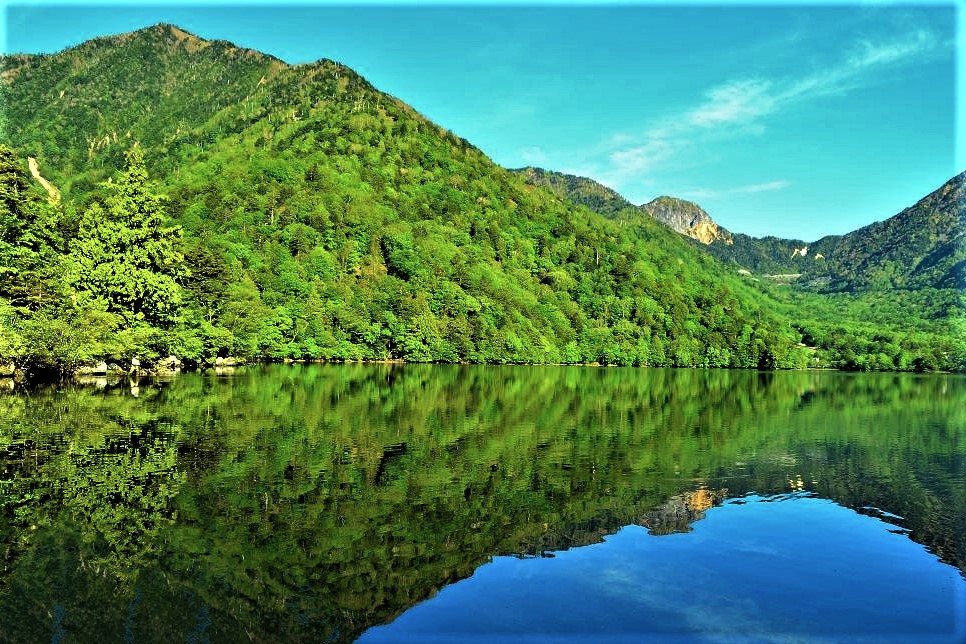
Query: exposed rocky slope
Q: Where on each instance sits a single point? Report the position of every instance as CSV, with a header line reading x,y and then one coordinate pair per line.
x,y
687,218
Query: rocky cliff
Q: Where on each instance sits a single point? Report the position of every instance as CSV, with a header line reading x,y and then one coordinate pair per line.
x,y
687,218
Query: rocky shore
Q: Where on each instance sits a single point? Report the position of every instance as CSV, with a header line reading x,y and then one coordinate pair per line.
x,y
12,373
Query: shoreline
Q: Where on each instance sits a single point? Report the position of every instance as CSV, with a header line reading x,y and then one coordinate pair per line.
x,y
98,374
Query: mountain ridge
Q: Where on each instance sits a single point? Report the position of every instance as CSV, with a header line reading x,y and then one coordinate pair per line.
x,y
327,220
832,262
323,219
685,217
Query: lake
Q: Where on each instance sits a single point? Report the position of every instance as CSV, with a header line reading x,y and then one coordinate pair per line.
x,y
445,503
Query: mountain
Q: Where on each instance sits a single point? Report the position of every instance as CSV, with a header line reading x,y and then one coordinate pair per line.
x,y
767,255
77,117
314,217
687,218
296,212
921,247
924,246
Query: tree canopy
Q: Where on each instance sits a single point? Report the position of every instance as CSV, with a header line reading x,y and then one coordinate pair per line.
x,y
126,255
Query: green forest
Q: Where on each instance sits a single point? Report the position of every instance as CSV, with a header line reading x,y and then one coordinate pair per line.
x,y
216,202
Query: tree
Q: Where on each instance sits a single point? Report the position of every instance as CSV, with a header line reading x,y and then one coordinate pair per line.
x,y
27,236
14,217
126,255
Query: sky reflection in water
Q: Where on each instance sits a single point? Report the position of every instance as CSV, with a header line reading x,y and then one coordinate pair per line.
x,y
786,568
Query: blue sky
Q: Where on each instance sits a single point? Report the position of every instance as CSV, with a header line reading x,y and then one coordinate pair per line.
x,y
797,121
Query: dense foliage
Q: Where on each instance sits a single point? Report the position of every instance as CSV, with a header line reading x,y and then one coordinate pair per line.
x,y
580,190
309,216
368,289
888,296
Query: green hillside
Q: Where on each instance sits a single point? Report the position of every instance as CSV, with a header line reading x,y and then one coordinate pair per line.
x,y
580,190
306,215
862,299
924,246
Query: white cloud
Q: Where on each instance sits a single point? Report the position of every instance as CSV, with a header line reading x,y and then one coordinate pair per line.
x,y
768,186
644,156
711,193
738,107
737,101
859,65
868,53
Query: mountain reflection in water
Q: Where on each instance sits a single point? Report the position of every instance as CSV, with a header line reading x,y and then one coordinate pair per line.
x,y
311,503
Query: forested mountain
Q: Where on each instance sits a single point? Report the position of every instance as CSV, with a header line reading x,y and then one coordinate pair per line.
x,y
580,190
216,201
312,216
922,246
682,216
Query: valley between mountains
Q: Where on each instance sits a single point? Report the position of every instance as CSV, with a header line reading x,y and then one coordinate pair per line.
x,y
216,202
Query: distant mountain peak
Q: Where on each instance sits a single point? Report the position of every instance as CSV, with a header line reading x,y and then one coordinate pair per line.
x,y
687,218
166,28
171,37
581,190
179,35
684,217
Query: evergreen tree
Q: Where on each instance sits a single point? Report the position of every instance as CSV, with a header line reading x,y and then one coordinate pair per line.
x,y
126,255
27,233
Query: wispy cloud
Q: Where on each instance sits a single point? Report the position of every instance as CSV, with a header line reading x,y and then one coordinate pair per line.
x,y
711,193
768,186
644,156
740,100
860,64
740,106
867,53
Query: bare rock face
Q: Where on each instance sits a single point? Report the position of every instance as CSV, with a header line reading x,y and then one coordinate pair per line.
x,y
99,369
169,365
686,218
707,232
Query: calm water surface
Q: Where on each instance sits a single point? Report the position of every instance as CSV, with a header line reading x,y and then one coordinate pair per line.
x,y
430,503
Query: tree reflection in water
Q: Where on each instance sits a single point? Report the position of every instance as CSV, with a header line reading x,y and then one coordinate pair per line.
x,y
312,502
